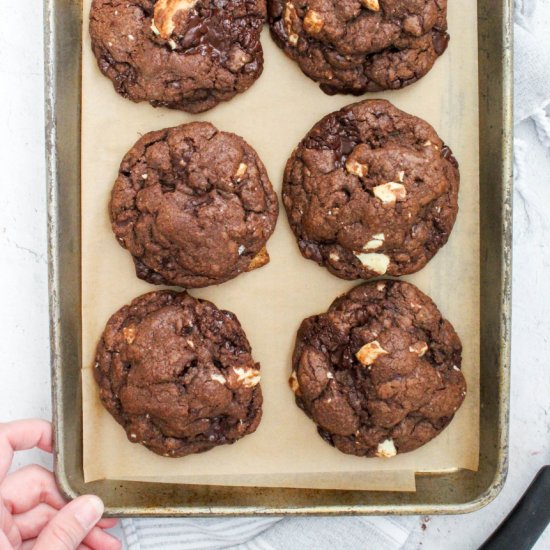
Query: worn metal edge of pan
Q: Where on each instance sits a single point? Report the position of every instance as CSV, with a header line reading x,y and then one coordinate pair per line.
x,y
451,493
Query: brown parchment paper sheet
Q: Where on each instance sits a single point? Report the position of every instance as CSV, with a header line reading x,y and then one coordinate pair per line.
x,y
273,116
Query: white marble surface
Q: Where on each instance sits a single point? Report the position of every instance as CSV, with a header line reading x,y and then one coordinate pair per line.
x,y
24,339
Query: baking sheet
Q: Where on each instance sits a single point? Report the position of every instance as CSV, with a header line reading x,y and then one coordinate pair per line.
x,y
271,302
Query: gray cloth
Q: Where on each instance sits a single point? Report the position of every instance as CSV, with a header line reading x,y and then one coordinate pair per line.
x,y
267,533
532,105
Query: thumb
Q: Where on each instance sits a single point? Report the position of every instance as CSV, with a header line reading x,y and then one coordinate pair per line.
x,y
71,524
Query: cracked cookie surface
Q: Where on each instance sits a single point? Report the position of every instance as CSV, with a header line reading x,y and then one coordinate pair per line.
x,y
194,206
370,191
379,373
354,46
177,373
182,54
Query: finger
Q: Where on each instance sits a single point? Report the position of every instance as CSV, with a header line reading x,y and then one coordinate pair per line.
x,y
100,540
8,528
22,435
71,524
28,487
13,536
108,523
4,542
32,522
30,544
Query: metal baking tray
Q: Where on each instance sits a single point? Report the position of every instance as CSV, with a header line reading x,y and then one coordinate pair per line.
x,y
449,493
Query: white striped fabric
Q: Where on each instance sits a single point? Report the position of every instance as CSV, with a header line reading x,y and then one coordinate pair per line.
x,y
192,534
349,533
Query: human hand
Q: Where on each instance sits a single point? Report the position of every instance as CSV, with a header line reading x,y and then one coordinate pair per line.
x,y
33,513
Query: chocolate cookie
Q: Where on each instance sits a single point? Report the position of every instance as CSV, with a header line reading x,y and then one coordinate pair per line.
x,y
177,373
182,54
361,45
379,373
371,190
194,206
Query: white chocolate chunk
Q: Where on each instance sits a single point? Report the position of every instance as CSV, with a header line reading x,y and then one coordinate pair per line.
x,y
380,287
420,348
378,263
334,257
129,334
373,244
370,352
390,192
293,382
261,259
248,377
218,378
154,28
373,5
386,449
313,22
401,176
356,168
430,144
241,171
289,16
241,249
376,242
164,16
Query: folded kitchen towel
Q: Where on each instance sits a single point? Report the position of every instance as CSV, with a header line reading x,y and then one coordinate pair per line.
x,y
266,533
532,103
192,534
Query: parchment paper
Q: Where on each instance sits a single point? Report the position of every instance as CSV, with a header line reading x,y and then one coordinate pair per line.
x,y
273,116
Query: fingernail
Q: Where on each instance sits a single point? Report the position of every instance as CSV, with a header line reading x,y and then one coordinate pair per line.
x,y
89,511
